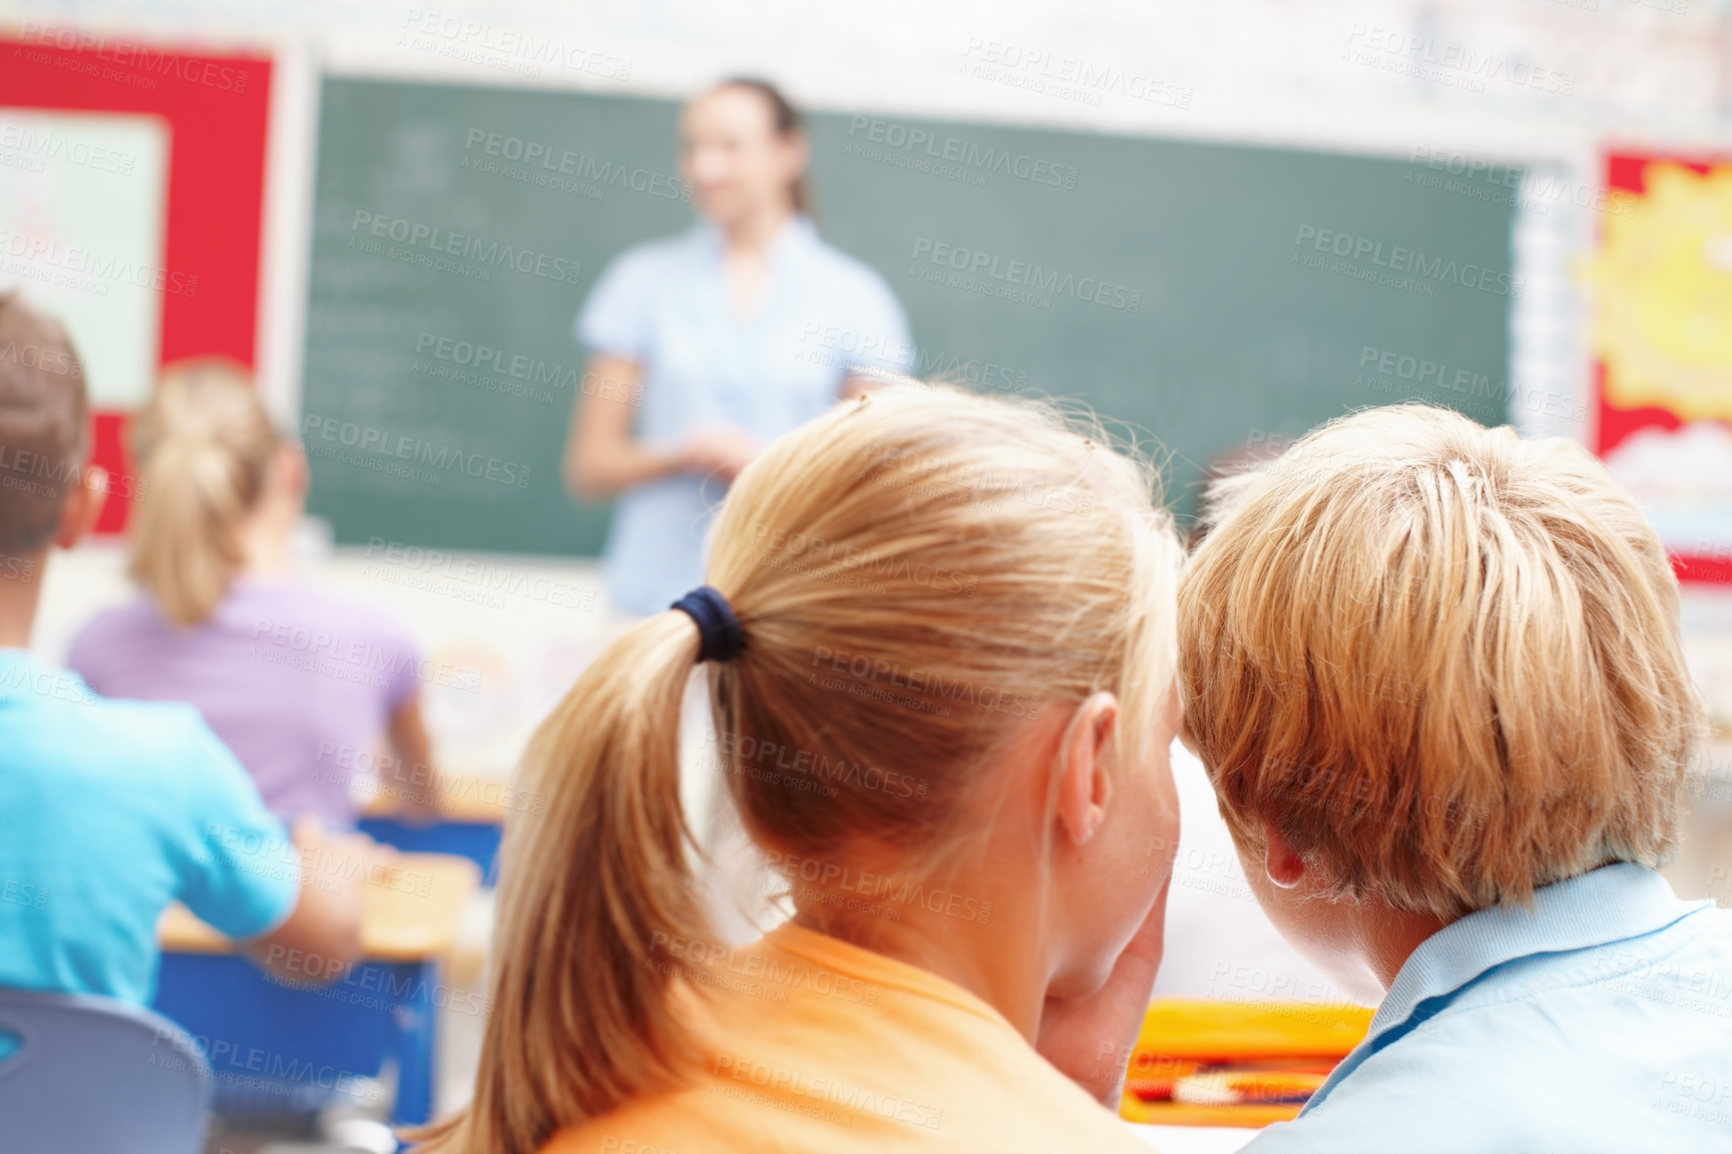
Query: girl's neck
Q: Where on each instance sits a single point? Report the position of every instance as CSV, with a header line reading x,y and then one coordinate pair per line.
x,y
961,932
265,544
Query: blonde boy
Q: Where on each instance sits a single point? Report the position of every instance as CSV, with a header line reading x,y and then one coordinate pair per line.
x,y
1434,672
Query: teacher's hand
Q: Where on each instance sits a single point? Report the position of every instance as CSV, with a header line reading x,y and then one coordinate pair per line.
x,y
720,452
1089,1038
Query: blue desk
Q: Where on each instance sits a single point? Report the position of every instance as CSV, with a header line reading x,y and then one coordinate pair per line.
x,y
469,822
476,840
284,1046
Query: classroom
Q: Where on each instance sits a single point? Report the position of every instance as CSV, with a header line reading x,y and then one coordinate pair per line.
x,y
675,577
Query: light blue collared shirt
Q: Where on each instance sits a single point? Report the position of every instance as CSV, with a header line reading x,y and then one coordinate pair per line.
x,y
665,305
1600,1020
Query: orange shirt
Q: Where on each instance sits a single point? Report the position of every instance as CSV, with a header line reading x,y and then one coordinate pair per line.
x,y
817,1045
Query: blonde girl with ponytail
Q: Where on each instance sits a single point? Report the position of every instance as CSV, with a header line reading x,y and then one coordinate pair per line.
x,y
938,641
288,674
206,449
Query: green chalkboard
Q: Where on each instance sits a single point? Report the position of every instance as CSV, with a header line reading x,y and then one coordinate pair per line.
x,y
1204,294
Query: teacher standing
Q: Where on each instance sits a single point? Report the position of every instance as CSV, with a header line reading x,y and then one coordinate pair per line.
x,y
707,345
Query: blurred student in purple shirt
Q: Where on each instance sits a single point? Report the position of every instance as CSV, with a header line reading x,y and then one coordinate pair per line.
x,y
298,681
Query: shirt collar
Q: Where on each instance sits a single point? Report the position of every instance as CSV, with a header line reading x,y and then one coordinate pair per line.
x,y
798,234
1609,904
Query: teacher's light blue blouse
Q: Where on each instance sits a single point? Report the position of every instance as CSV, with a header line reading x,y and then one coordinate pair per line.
x,y
1598,1022
664,305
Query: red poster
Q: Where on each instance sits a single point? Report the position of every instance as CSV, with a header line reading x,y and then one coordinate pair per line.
x,y
131,193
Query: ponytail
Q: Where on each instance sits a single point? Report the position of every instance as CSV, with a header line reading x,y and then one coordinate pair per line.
x,y
593,875
202,446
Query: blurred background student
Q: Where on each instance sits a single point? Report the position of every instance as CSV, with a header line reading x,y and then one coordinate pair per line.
x,y
696,345
114,809
297,680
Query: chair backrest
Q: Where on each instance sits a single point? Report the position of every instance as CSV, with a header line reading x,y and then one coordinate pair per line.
x,y
92,1074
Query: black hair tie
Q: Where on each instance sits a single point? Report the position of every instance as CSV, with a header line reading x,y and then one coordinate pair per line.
x,y
719,634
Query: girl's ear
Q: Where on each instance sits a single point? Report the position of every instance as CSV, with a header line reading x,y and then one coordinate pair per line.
x,y
1085,787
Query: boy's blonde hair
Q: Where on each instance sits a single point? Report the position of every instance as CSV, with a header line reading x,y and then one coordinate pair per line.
x,y
203,446
1442,662
915,574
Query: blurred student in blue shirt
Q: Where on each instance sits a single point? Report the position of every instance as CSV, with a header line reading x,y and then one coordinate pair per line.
x,y
1434,671
706,346
114,809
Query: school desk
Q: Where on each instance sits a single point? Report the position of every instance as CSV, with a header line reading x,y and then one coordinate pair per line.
x,y
259,1030
468,820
